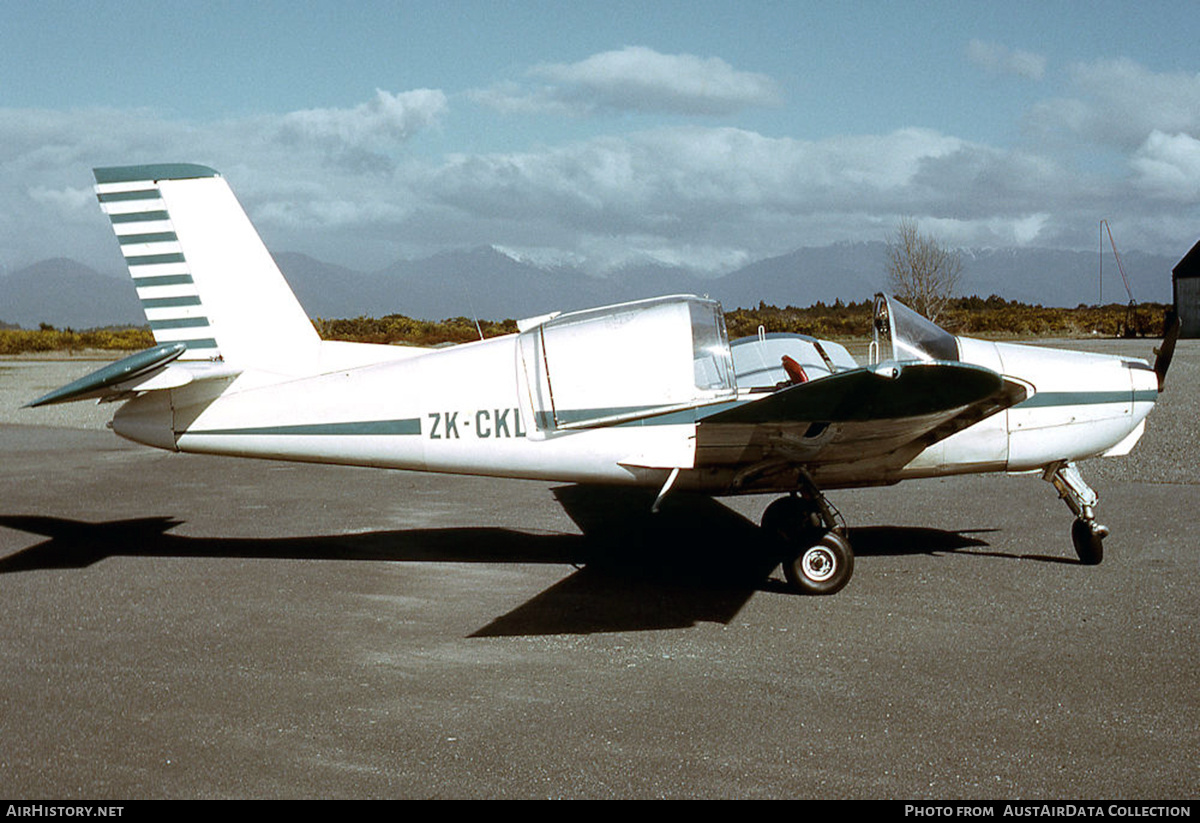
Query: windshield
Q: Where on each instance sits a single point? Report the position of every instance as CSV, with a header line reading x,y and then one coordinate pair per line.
x,y
902,334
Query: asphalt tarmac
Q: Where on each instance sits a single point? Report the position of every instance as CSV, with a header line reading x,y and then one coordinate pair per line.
x,y
180,626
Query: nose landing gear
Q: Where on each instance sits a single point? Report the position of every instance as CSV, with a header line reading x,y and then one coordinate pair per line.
x,y
1087,534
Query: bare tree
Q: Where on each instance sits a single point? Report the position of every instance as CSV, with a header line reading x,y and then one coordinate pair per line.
x,y
922,274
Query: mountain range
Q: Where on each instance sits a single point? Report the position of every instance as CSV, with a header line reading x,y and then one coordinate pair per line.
x,y
488,283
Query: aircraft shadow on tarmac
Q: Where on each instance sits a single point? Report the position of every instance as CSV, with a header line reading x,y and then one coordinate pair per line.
x,y
695,561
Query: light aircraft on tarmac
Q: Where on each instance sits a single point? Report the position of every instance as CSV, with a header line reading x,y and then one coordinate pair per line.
x,y
649,393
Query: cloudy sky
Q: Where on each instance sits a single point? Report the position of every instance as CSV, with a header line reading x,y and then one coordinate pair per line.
x,y
703,133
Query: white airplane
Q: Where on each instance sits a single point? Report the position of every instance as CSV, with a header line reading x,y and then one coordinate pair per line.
x,y
649,393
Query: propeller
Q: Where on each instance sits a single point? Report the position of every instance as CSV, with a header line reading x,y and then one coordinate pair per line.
x,y
1164,353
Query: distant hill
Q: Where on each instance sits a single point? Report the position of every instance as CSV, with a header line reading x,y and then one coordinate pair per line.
x,y
845,271
854,271
330,291
490,284
1065,278
67,294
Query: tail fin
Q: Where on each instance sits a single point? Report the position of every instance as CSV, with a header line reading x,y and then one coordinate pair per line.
x,y
201,271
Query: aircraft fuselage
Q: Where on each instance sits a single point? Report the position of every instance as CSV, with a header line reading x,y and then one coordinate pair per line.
x,y
466,409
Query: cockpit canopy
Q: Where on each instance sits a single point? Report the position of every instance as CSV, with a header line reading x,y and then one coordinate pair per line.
x,y
902,334
625,362
634,360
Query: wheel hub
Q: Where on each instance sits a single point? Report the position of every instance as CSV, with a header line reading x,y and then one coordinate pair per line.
x,y
818,563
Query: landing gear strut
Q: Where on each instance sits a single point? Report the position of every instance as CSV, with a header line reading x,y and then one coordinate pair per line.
x,y
817,558
1087,534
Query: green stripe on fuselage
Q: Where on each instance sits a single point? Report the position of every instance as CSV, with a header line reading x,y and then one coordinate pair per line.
x,y
1043,400
407,426
695,414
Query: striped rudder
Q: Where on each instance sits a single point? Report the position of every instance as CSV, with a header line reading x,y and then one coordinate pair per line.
x,y
201,272
155,259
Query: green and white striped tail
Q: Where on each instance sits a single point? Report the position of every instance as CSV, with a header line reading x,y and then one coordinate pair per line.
x,y
201,271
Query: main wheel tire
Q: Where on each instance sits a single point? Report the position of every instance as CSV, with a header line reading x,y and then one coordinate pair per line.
x,y
821,568
1089,543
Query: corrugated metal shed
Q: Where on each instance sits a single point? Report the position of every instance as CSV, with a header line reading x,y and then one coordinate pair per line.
x,y
1185,281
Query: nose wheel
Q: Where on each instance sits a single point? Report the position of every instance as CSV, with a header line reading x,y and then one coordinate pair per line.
x,y
1088,538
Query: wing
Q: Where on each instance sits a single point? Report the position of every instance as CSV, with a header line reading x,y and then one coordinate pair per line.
x,y
890,411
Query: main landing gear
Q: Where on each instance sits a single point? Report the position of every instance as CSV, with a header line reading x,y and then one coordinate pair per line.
x,y
1087,535
817,558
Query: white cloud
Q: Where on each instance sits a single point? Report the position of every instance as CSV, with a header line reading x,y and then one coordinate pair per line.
x,y
987,232
295,173
1025,230
1120,102
712,197
999,59
1168,166
327,212
334,183
692,169
640,79
375,127
510,97
65,200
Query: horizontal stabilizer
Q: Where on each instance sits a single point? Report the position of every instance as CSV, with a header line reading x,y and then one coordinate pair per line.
x,y
148,370
102,380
